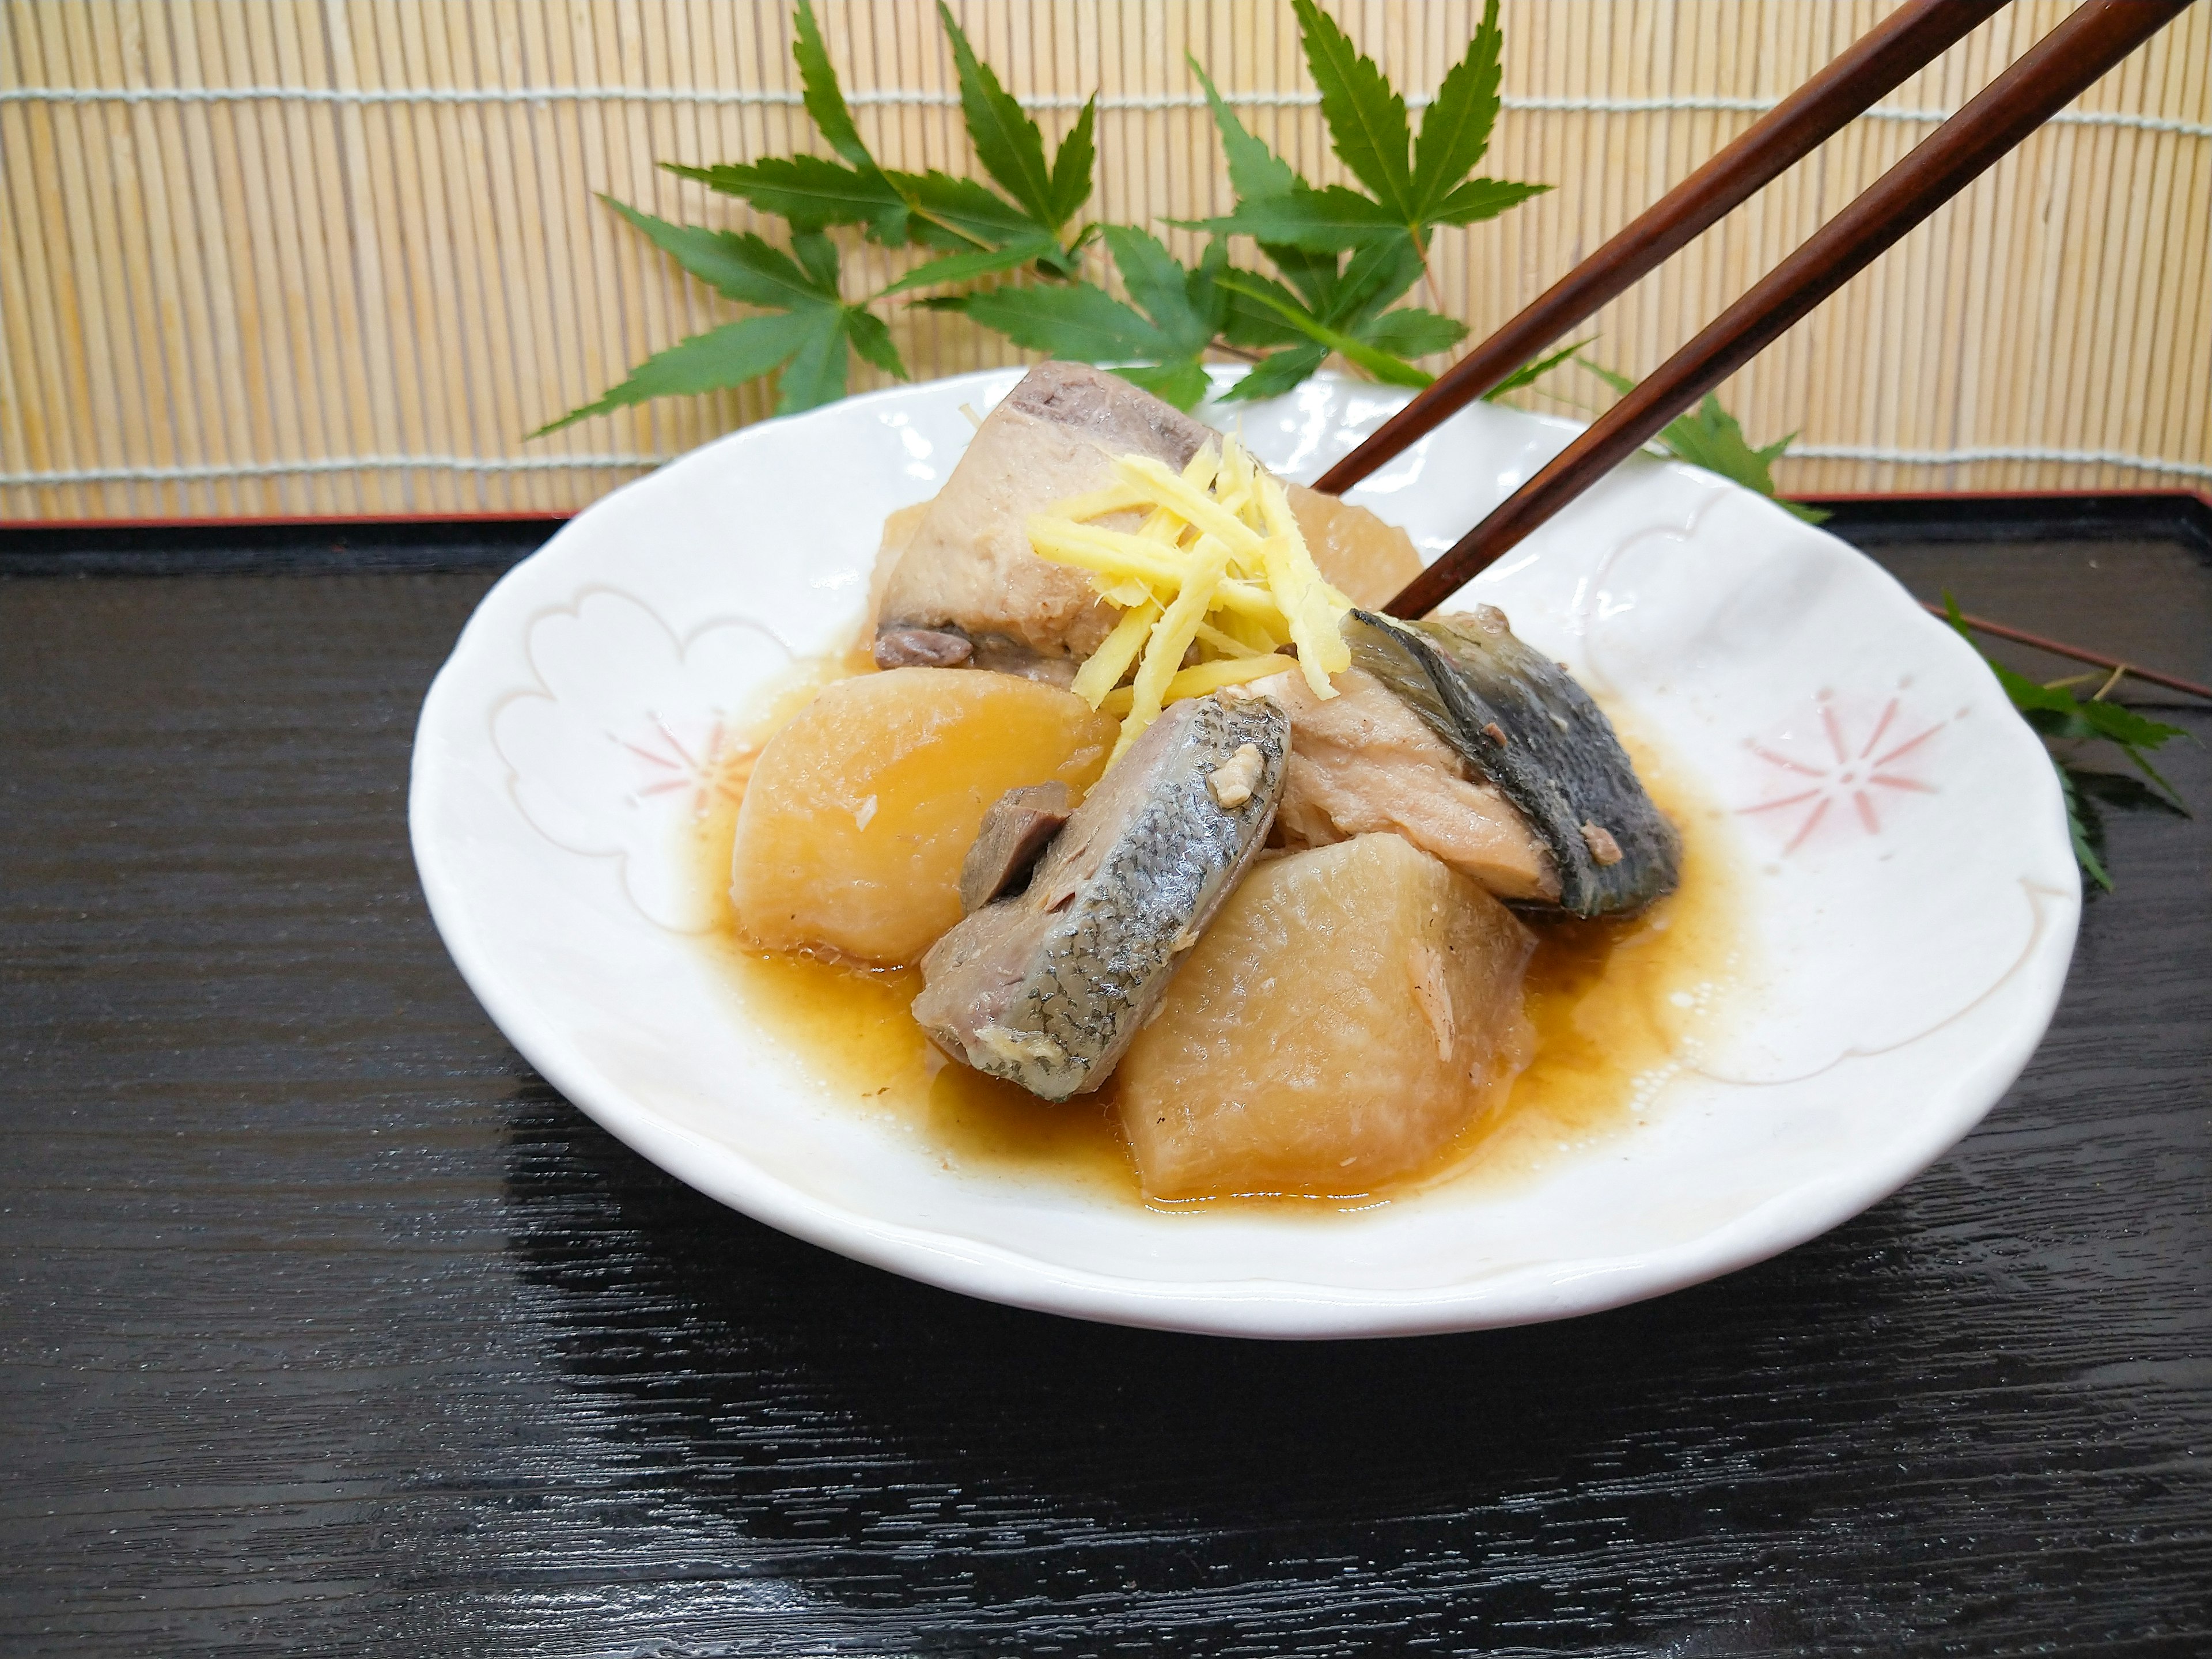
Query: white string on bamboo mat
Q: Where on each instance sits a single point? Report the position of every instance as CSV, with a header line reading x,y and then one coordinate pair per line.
x,y
904,97
332,464
561,463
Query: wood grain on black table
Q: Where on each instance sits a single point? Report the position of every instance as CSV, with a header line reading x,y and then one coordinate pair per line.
x,y
326,1326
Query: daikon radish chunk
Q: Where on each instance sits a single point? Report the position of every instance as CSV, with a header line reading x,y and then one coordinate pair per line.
x,y
860,811
1347,1012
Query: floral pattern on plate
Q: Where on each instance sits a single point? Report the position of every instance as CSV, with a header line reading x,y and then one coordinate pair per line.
x,y
628,733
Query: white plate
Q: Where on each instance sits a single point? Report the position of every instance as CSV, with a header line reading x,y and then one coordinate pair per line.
x,y
1909,891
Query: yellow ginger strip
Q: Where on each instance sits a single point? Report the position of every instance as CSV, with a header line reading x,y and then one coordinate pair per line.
x,y
1119,556
1170,492
1115,498
1106,666
1316,625
1240,534
1233,486
1126,593
1115,553
1162,526
1172,637
1103,669
1228,645
1203,470
1197,681
1257,637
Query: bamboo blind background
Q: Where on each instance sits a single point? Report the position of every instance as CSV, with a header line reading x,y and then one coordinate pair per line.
x,y
292,257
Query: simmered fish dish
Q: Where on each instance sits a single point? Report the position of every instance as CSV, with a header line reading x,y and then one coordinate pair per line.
x,y
1169,816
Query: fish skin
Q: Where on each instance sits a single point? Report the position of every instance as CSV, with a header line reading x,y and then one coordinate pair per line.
x,y
1520,721
1049,988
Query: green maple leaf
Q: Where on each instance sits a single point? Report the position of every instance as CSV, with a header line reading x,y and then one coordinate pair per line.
x,y
2056,713
2084,828
1366,117
1711,438
981,262
1010,145
812,192
1410,331
1341,311
1455,130
1256,172
824,97
1532,370
980,232
1409,197
1343,255
1006,140
1326,221
804,333
1252,321
1383,364
1157,341
1277,372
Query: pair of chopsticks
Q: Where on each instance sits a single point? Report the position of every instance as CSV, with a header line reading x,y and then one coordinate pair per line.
x,y
2047,77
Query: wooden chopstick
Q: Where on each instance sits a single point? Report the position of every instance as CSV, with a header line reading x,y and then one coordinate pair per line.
x,y
2048,77
1906,40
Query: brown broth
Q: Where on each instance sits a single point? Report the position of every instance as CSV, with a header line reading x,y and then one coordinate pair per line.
x,y
1616,1005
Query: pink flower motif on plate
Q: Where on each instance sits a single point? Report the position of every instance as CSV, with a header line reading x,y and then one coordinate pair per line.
x,y
1846,761
698,771
628,734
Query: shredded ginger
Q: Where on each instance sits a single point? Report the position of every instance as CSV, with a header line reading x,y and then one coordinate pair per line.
x,y
1216,572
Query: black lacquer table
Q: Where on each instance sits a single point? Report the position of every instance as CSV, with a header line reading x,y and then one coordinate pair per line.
x,y
327,1326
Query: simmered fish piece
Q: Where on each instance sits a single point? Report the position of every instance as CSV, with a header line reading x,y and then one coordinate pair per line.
x,y
956,580
968,564
1363,762
1049,988
1520,721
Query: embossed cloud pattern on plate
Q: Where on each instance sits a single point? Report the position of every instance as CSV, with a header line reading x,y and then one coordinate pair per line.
x,y
627,733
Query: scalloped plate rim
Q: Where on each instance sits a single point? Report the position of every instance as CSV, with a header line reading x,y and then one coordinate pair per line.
x,y
1249,1307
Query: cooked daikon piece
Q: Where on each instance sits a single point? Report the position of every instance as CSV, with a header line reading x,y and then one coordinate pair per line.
x,y
1349,1012
860,811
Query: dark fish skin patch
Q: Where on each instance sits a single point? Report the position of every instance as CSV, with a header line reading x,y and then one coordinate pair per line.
x,y
1017,829
1520,720
922,648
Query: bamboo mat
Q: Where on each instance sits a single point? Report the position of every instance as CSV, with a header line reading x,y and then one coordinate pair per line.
x,y
310,257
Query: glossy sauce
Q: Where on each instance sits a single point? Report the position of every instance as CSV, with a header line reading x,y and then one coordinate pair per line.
x,y
1618,1008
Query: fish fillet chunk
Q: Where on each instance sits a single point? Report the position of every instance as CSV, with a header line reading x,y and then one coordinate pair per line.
x,y
1363,762
1049,988
969,565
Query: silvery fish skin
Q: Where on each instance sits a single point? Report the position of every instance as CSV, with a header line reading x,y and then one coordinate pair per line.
x,y
1520,721
1049,988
